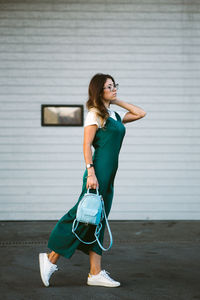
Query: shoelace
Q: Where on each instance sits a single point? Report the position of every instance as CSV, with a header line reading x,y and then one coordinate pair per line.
x,y
105,274
52,269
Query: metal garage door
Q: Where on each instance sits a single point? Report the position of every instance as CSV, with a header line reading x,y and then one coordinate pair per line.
x,y
49,50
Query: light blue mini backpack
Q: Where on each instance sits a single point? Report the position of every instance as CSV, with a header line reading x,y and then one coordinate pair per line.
x,y
91,210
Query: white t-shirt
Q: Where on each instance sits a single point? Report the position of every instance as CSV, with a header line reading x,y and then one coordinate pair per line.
x,y
91,117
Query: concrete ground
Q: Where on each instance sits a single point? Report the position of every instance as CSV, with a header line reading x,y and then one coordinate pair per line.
x,y
156,260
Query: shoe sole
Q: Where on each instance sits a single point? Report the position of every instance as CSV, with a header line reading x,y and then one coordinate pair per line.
x,y
102,284
41,263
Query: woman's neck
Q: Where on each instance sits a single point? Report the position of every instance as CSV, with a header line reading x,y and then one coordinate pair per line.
x,y
107,104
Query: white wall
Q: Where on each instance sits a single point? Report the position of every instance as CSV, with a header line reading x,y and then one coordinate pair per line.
x,y
49,50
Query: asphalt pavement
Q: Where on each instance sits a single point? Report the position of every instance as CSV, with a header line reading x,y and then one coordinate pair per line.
x,y
153,260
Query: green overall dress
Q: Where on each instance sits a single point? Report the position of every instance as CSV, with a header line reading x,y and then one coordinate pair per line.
x,y
107,144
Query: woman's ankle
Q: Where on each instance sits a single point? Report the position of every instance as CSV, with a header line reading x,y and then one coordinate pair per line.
x,y
53,257
95,271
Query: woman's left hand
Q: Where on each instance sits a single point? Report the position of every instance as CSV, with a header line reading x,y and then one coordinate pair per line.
x,y
134,112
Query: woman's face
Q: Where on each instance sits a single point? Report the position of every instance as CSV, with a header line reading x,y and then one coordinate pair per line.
x,y
109,91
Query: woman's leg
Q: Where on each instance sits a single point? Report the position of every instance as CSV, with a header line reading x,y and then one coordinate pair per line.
x,y
102,279
53,257
95,263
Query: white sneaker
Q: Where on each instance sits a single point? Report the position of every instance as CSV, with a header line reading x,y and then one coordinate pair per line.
x,y
102,279
46,268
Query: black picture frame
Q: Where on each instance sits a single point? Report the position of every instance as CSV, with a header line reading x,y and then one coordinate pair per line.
x,y
56,115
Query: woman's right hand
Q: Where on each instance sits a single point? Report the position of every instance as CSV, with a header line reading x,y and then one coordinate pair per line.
x,y
92,182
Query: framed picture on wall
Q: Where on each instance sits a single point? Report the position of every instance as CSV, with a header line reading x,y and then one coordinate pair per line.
x,y
61,115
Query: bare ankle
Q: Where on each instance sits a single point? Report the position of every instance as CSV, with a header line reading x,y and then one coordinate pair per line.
x,y
53,257
95,271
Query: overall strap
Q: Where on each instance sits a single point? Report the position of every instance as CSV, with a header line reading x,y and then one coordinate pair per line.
x,y
117,116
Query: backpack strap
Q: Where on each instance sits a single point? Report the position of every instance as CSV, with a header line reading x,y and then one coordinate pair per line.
x,y
97,232
109,231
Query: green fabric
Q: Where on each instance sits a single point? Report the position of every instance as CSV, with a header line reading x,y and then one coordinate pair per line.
x,y
107,144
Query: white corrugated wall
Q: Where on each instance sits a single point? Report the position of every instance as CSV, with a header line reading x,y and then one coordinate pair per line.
x,y
49,50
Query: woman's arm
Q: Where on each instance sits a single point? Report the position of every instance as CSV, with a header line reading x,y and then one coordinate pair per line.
x,y
89,133
134,113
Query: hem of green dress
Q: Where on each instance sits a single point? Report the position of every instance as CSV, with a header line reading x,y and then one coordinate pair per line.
x,y
69,255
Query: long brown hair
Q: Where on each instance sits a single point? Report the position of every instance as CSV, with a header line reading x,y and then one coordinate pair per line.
x,y
95,91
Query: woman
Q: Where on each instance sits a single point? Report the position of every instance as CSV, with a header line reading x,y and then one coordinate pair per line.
x,y
105,130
